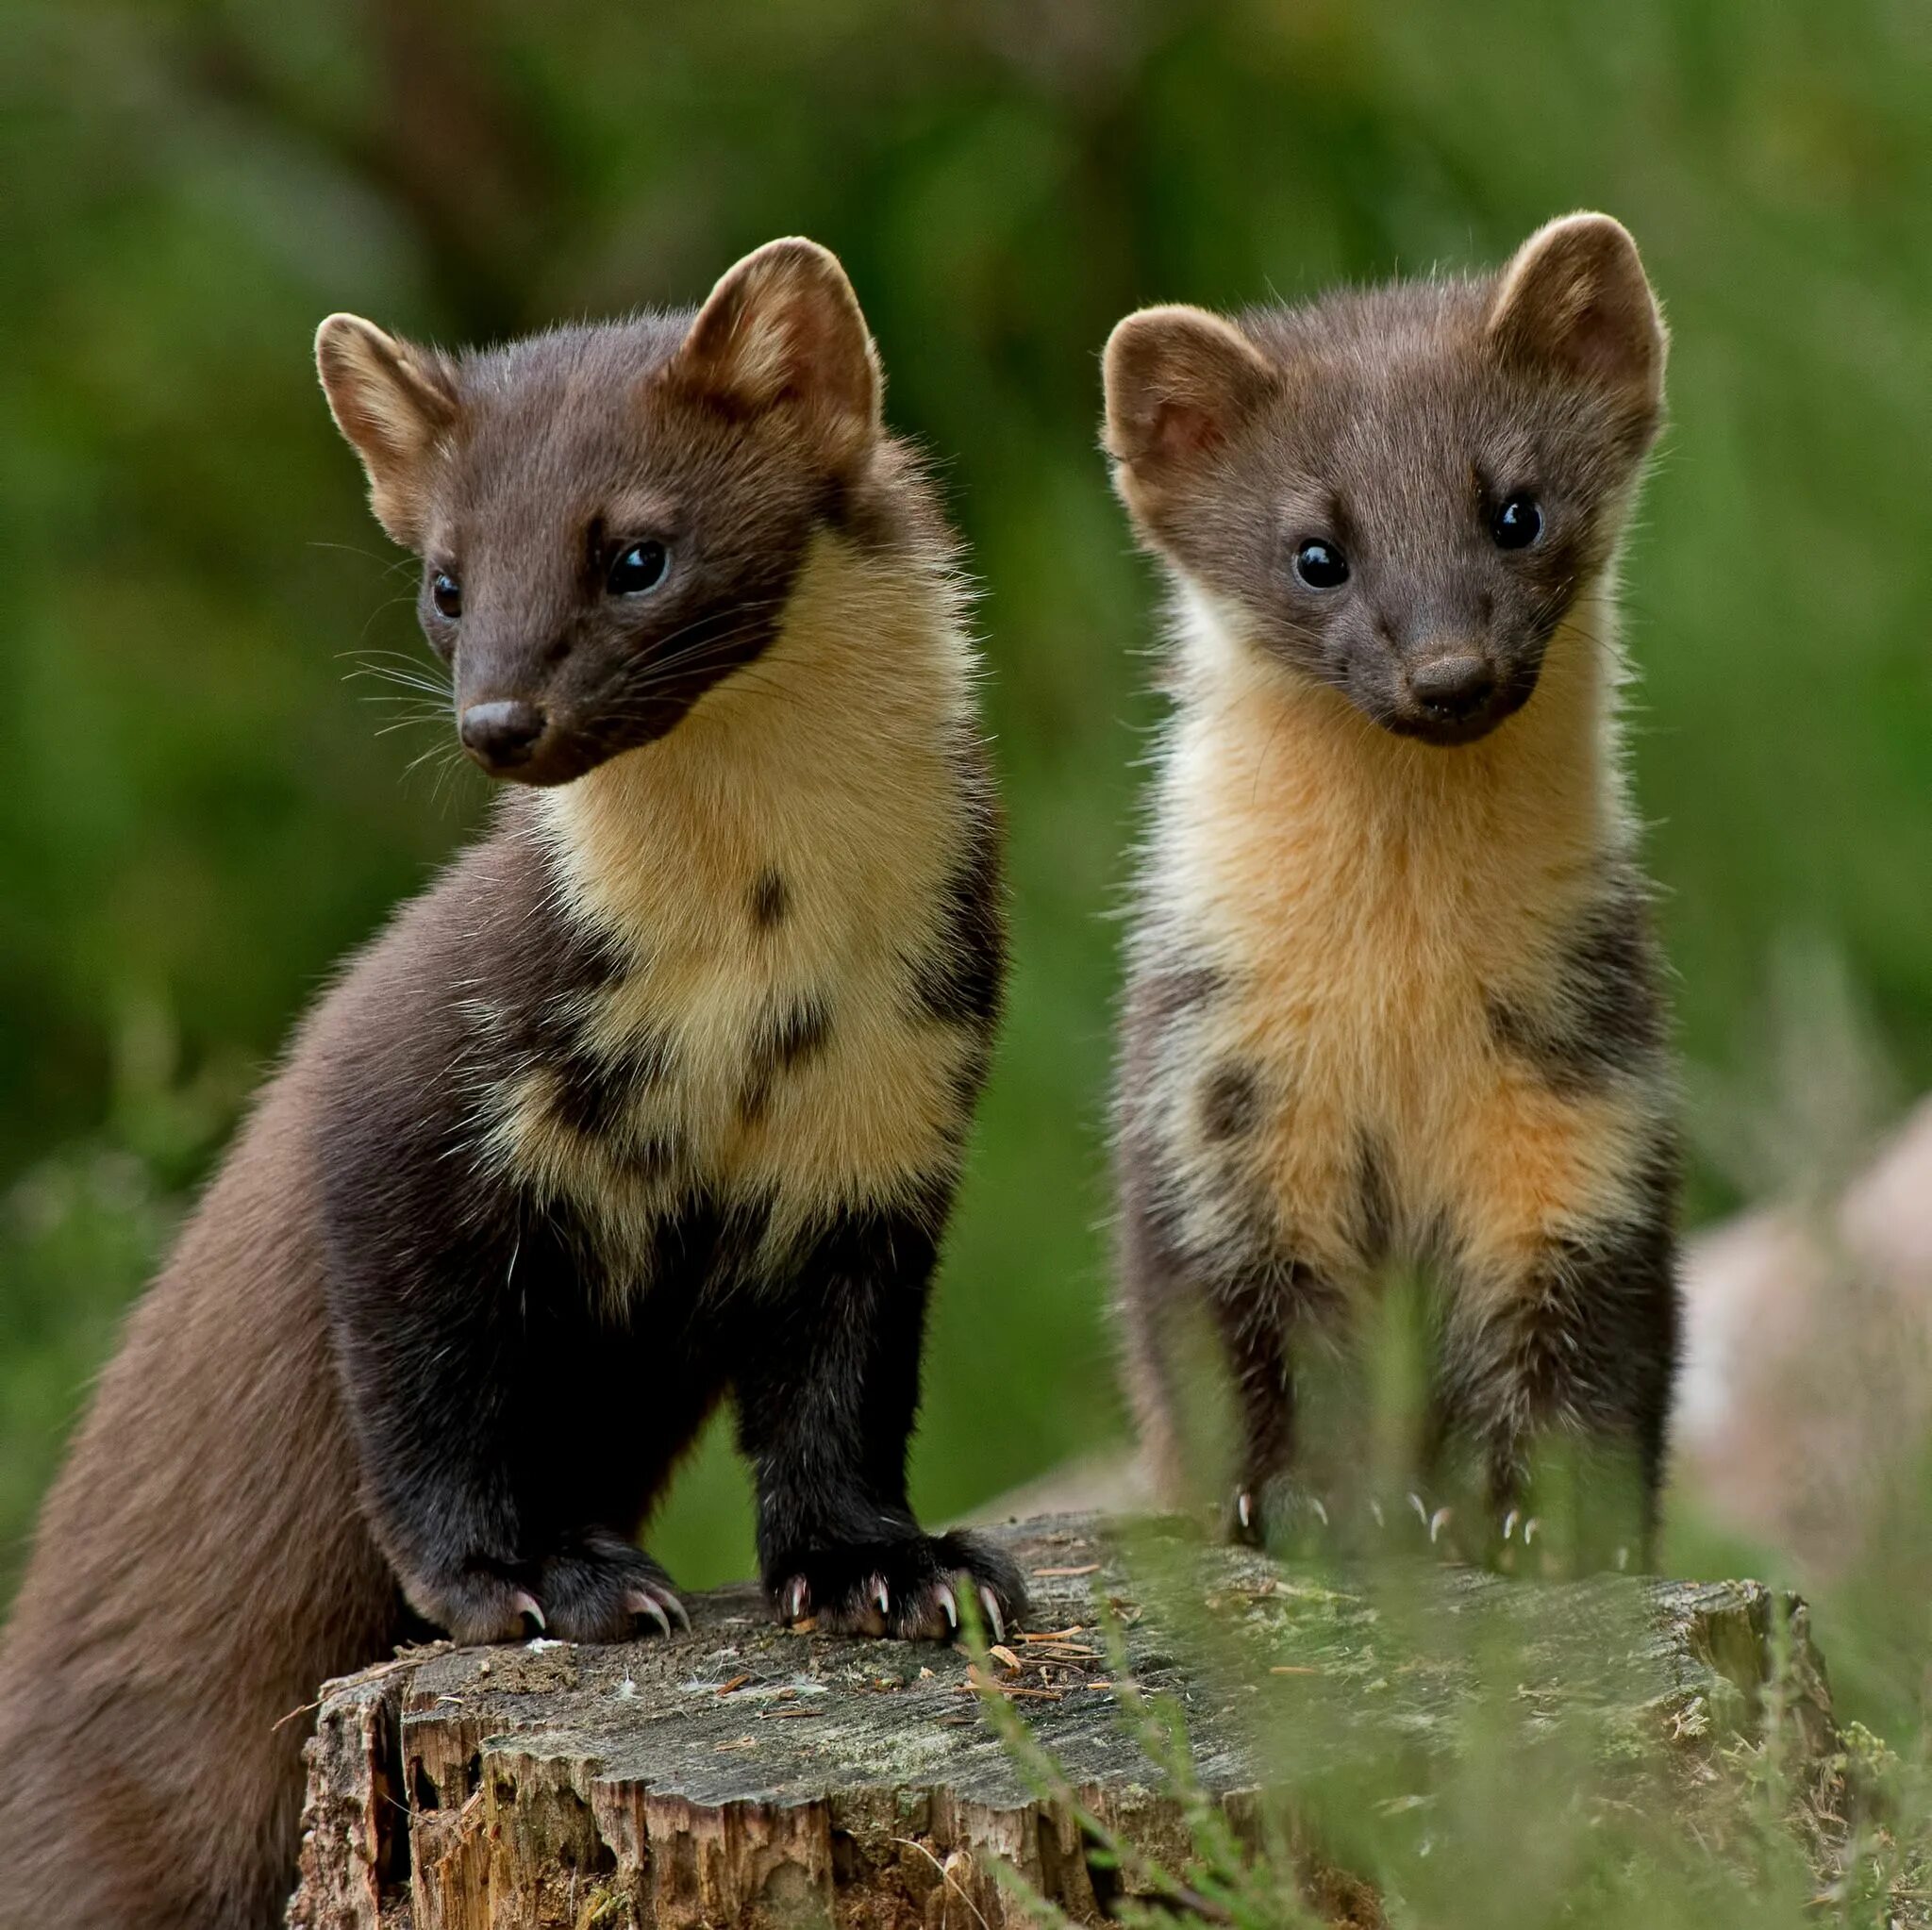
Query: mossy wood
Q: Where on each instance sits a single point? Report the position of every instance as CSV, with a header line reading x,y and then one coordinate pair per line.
x,y
744,1773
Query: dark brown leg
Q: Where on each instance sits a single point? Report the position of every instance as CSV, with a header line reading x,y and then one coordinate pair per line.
x,y
1567,1391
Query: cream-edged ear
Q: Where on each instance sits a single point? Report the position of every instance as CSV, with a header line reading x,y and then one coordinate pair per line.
x,y
392,401
1178,381
783,327
1574,297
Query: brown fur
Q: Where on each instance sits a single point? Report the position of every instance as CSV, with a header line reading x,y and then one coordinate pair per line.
x,y
201,1565
1389,998
656,1098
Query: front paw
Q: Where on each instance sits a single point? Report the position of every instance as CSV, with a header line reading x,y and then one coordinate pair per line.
x,y
910,1590
597,1588
601,1589
1279,1514
476,1603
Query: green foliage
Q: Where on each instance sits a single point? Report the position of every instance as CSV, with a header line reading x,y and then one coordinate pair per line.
x,y
201,815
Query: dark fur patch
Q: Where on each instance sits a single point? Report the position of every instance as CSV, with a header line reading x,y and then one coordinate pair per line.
x,y
961,980
1605,1014
1155,998
789,1040
1375,1203
771,902
1230,1100
593,1092
1171,990
654,1155
799,1035
968,1082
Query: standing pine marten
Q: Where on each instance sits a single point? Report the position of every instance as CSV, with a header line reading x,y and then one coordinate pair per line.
x,y
661,1094
1393,989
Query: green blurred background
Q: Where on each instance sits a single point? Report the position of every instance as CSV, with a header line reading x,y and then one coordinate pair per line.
x,y
199,815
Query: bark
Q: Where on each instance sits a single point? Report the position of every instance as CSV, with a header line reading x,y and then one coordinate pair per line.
x,y
744,1773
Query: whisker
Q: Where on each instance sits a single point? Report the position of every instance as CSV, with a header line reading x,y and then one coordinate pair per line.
x,y
380,608
735,616
390,565
407,688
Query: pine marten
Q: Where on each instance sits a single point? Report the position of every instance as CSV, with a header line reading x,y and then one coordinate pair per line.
x,y
658,1094
1393,996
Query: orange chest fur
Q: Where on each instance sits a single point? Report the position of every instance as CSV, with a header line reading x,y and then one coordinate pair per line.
x,y
1362,901
1366,890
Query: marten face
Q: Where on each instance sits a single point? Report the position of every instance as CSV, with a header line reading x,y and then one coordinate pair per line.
x,y
610,518
1401,491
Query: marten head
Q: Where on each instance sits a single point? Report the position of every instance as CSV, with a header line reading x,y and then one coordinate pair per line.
x,y
610,518
1401,490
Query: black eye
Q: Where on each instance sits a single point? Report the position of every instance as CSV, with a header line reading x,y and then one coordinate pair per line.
x,y
640,568
446,594
1320,565
1517,524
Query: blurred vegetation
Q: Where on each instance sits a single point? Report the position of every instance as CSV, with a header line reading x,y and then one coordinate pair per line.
x,y
200,816
1464,1757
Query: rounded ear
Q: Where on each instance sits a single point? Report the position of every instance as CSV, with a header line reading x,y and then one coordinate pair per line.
x,y
392,401
1179,382
1576,298
784,327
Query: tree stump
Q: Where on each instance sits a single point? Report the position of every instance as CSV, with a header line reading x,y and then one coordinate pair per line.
x,y
744,1773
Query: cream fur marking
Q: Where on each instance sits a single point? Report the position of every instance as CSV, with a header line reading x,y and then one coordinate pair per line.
x,y
1364,895
835,762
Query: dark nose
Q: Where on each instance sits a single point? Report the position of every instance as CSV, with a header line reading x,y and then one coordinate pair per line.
x,y
501,734
1452,687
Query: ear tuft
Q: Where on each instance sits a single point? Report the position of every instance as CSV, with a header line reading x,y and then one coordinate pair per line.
x,y
784,327
1576,297
1178,381
392,401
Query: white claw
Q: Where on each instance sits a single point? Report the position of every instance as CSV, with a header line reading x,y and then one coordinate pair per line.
x,y
1376,1509
1530,1530
640,1603
992,1613
1244,1507
882,1599
1321,1512
1438,1522
526,1604
1421,1513
679,1613
1509,1522
794,1599
944,1594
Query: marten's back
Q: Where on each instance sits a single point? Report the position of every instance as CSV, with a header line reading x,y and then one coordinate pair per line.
x,y
201,1565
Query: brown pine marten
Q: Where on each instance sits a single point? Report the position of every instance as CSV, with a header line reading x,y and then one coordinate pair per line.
x,y
657,1096
1393,991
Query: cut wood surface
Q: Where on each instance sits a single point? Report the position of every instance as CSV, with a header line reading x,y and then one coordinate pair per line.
x,y
744,1773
